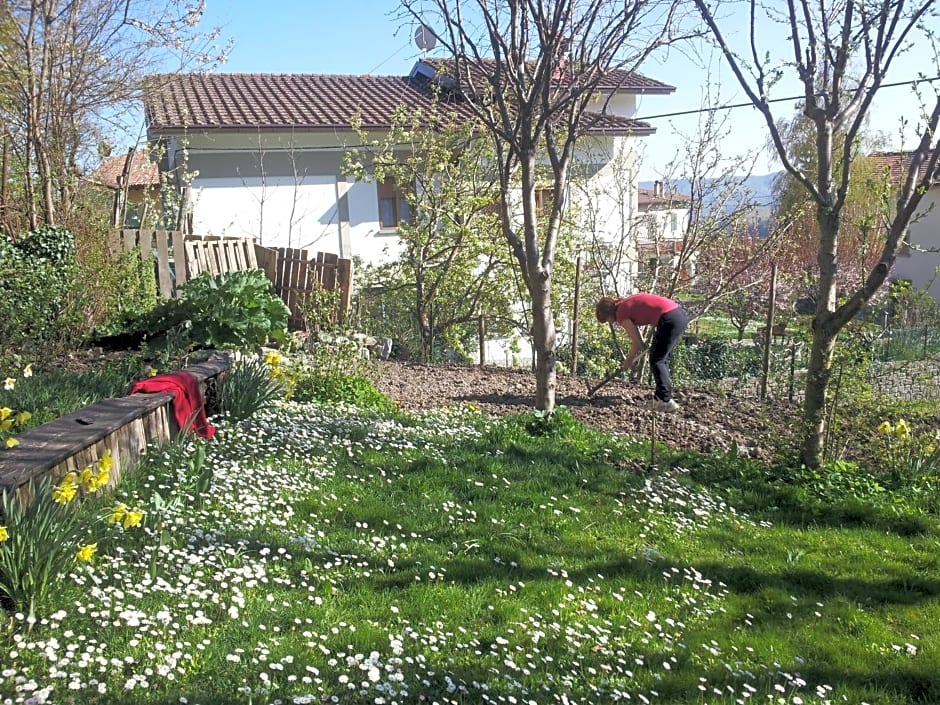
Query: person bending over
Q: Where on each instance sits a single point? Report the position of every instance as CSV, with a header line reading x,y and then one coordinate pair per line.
x,y
670,319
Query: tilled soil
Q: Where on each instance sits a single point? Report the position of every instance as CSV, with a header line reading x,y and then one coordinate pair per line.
x,y
707,422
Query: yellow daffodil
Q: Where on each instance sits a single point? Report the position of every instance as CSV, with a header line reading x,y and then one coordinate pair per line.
x,y
23,418
117,514
152,371
106,462
86,552
99,480
28,370
65,491
11,442
5,413
885,428
132,518
902,430
9,383
273,358
86,477
4,534
6,424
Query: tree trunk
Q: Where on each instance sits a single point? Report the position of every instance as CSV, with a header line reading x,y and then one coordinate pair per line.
x,y
818,375
824,337
424,323
543,337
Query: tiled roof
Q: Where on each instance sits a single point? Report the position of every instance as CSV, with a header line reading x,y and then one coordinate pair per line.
x,y
256,100
240,101
615,81
897,164
144,173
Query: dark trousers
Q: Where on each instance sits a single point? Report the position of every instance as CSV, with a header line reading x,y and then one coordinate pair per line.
x,y
669,330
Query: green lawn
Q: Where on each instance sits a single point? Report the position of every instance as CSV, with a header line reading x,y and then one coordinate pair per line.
x,y
341,556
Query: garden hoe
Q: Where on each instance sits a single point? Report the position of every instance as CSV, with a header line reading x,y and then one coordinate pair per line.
x,y
616,373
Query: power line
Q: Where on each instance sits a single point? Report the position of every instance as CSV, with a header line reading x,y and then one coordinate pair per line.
x,y
749,104
381,64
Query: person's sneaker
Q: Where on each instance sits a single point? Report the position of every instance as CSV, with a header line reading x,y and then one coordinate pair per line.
x,y
666,407
669,407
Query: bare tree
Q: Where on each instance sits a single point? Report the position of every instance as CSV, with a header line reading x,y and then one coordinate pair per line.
x,y
842,51
73,67
530,71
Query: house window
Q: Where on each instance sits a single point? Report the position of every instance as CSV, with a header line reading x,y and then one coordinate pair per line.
x,y
393,208
674,221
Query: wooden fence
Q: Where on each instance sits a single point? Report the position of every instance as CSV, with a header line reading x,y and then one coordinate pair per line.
x,y
296,276
178,258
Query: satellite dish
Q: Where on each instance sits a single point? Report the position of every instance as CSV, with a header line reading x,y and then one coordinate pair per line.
x,y
424,38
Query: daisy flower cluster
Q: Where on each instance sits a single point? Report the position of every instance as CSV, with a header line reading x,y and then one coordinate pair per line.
x,y
299,576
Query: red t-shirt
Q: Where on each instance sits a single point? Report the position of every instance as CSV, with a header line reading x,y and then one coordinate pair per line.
x,y
644,309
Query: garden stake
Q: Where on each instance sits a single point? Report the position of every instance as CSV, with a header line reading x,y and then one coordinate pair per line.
x,y
652,464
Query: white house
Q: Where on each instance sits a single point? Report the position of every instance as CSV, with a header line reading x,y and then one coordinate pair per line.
x,y
919,259
660,225
263,152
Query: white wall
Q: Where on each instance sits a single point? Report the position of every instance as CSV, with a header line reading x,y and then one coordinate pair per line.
x,y
920,267
293,212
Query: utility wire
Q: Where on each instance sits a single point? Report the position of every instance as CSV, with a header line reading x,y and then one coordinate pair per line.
x,y
749,104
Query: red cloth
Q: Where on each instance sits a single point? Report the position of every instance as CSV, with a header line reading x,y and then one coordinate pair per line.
x,y
644,309
187,403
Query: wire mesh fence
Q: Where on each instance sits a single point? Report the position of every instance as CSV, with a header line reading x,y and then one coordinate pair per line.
x,y
902,363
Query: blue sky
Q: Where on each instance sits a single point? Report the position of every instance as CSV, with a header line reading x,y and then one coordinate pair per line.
x,y
365,36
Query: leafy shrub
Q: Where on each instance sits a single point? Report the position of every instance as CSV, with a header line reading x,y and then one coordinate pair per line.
x,y
249,387
227,311
37,275
340,388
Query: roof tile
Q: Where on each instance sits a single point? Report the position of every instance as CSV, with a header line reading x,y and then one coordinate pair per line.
x,y
143,172
239,101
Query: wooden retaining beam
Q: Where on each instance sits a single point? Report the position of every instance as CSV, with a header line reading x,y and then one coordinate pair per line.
x,y
125,426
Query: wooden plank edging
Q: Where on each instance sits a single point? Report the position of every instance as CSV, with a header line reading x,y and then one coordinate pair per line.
x,y
125,426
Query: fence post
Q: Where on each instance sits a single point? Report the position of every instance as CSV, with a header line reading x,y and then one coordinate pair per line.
x,y
768,334
574,320
792,389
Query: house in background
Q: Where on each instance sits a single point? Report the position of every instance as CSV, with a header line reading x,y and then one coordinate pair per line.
x,y
262,154
134,180
660,227
918,260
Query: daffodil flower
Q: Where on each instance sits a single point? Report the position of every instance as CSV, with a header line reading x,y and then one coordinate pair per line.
x,y
100,480
11,442
117,514
902,430
5,413
9,383
6,424
86,552
65,491
885,428
4,534
28,370
272,358
23,418
132,518
106,462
